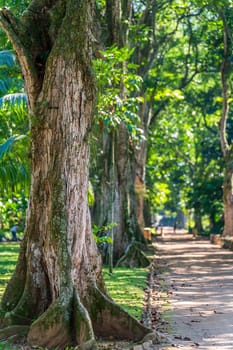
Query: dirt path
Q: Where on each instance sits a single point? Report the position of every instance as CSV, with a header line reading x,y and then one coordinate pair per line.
x,y
196,292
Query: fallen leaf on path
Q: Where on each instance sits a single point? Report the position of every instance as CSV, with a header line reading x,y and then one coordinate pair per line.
x,y
218,312
182,338
186,339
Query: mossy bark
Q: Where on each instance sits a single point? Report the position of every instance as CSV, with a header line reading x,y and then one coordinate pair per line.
x,y
227,148
59,266
116,199
228,194
134,257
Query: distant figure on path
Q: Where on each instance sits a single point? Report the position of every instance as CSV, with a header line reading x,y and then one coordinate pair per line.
x,y
174,227
14,230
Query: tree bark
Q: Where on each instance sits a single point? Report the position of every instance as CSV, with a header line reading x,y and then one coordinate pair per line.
x,y
225,146
57,288
198,220
116,199
228,195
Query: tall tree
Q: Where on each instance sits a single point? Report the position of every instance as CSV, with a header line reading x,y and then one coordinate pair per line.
x,y
57,288
116,200
225,15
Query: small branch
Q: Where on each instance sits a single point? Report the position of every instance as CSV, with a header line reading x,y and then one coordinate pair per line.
x,y
209,128
13,28
155,114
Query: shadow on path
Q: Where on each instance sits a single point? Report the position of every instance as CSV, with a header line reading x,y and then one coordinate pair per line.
x,y
197,278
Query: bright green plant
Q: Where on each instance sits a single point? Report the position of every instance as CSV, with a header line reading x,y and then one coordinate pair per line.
x,y
14,140
12,212
99,233
115,74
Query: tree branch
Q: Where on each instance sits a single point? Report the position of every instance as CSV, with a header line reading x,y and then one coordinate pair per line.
x,y
14,29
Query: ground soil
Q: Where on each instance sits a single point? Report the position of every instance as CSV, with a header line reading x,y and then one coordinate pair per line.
x,y
192,299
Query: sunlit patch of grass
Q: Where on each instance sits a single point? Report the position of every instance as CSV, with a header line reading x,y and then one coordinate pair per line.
x,y
8,258
126,287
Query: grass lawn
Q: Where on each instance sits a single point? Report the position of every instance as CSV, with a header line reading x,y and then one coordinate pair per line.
x,y
8,258
125,285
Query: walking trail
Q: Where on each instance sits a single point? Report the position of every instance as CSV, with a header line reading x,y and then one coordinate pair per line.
x,y
192,293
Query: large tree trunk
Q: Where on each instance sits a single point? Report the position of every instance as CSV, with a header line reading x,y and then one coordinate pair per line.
x,y
225,146
198,221
139,181
140,158
228,196
117,200
57,288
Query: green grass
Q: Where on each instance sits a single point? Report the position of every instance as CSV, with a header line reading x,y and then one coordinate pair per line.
x,y
8,257
125,285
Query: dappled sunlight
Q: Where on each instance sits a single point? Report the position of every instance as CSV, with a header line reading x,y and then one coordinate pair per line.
x,y
126,287
199,278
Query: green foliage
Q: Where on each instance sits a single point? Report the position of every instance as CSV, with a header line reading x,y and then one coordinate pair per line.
x,y
185,166
14,172
6,146
7,59
99,233
12,211
90,195
10,77
13,99
114,74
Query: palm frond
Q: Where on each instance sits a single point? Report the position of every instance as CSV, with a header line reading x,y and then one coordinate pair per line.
x,y
6,146
5,85
12,175
7,58
16,98
14,167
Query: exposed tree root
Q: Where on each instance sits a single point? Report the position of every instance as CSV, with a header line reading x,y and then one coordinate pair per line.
x,y
133,257
22,314
109,319
82,323
52,328
13,332
67,322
